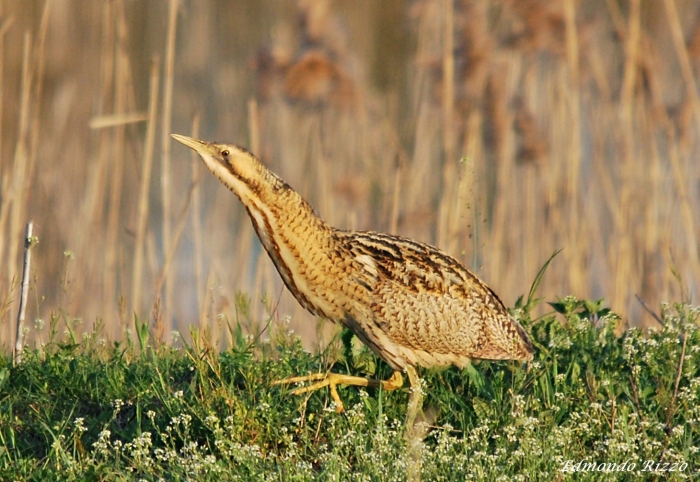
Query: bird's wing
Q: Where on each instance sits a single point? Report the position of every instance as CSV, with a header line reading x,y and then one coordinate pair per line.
x,y
433,307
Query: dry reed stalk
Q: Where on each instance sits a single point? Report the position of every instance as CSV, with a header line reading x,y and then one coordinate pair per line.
x,y
25,152
152,255
642,263
144,188
680,180
500,122
595,59
531,231
166,142
313,181
577,273
667,214
421,170
4,176
305,127
244,257
104,121
39,83
656,241
618,19
471,187
274,287
260,272
556,174
244,236
324,180
115,164
179,228
621,260
607,198
93,203
395,200
4,28
691,91
445,220
682,53
196,173
254,127
631,60
17,185
211,306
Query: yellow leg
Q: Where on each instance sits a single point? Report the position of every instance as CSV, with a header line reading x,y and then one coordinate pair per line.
x,y
332,380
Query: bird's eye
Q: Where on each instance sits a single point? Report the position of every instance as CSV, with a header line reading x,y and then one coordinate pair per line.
x,y
225,153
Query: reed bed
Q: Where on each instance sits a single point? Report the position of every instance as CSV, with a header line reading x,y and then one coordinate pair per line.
x,y
500,131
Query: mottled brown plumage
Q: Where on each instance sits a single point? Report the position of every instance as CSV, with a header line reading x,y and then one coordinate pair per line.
x,y
411,303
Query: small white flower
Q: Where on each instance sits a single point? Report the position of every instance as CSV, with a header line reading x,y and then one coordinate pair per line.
x,y
80,425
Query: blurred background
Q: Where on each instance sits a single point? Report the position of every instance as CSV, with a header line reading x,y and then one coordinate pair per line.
x,y
498,130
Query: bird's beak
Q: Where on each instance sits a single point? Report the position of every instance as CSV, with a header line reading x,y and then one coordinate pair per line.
x,y
209,152
200,147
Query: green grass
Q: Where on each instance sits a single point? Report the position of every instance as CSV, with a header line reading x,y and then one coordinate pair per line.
x,y
83,410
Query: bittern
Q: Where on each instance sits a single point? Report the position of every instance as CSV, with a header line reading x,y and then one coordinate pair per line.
x,y
411,303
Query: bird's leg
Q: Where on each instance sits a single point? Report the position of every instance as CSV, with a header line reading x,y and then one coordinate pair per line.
x,y
415,399
332,380
415,430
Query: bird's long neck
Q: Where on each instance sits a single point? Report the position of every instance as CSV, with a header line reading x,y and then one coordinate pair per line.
x,y
297,240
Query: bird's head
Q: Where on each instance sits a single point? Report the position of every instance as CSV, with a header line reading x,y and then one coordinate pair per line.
x,y
233,165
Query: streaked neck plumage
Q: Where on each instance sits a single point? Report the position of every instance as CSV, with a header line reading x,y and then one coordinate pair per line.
x,y
285,223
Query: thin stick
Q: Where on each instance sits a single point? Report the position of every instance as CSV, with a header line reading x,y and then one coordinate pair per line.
x,y
650,311
19,336
669,413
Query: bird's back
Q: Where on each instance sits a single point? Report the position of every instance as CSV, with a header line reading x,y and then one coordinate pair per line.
x,y
417,305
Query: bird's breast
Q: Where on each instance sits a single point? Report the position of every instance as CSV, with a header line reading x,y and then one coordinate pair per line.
x,y
303,257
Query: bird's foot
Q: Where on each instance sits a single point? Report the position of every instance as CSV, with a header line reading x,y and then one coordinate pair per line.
x,y
332,380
